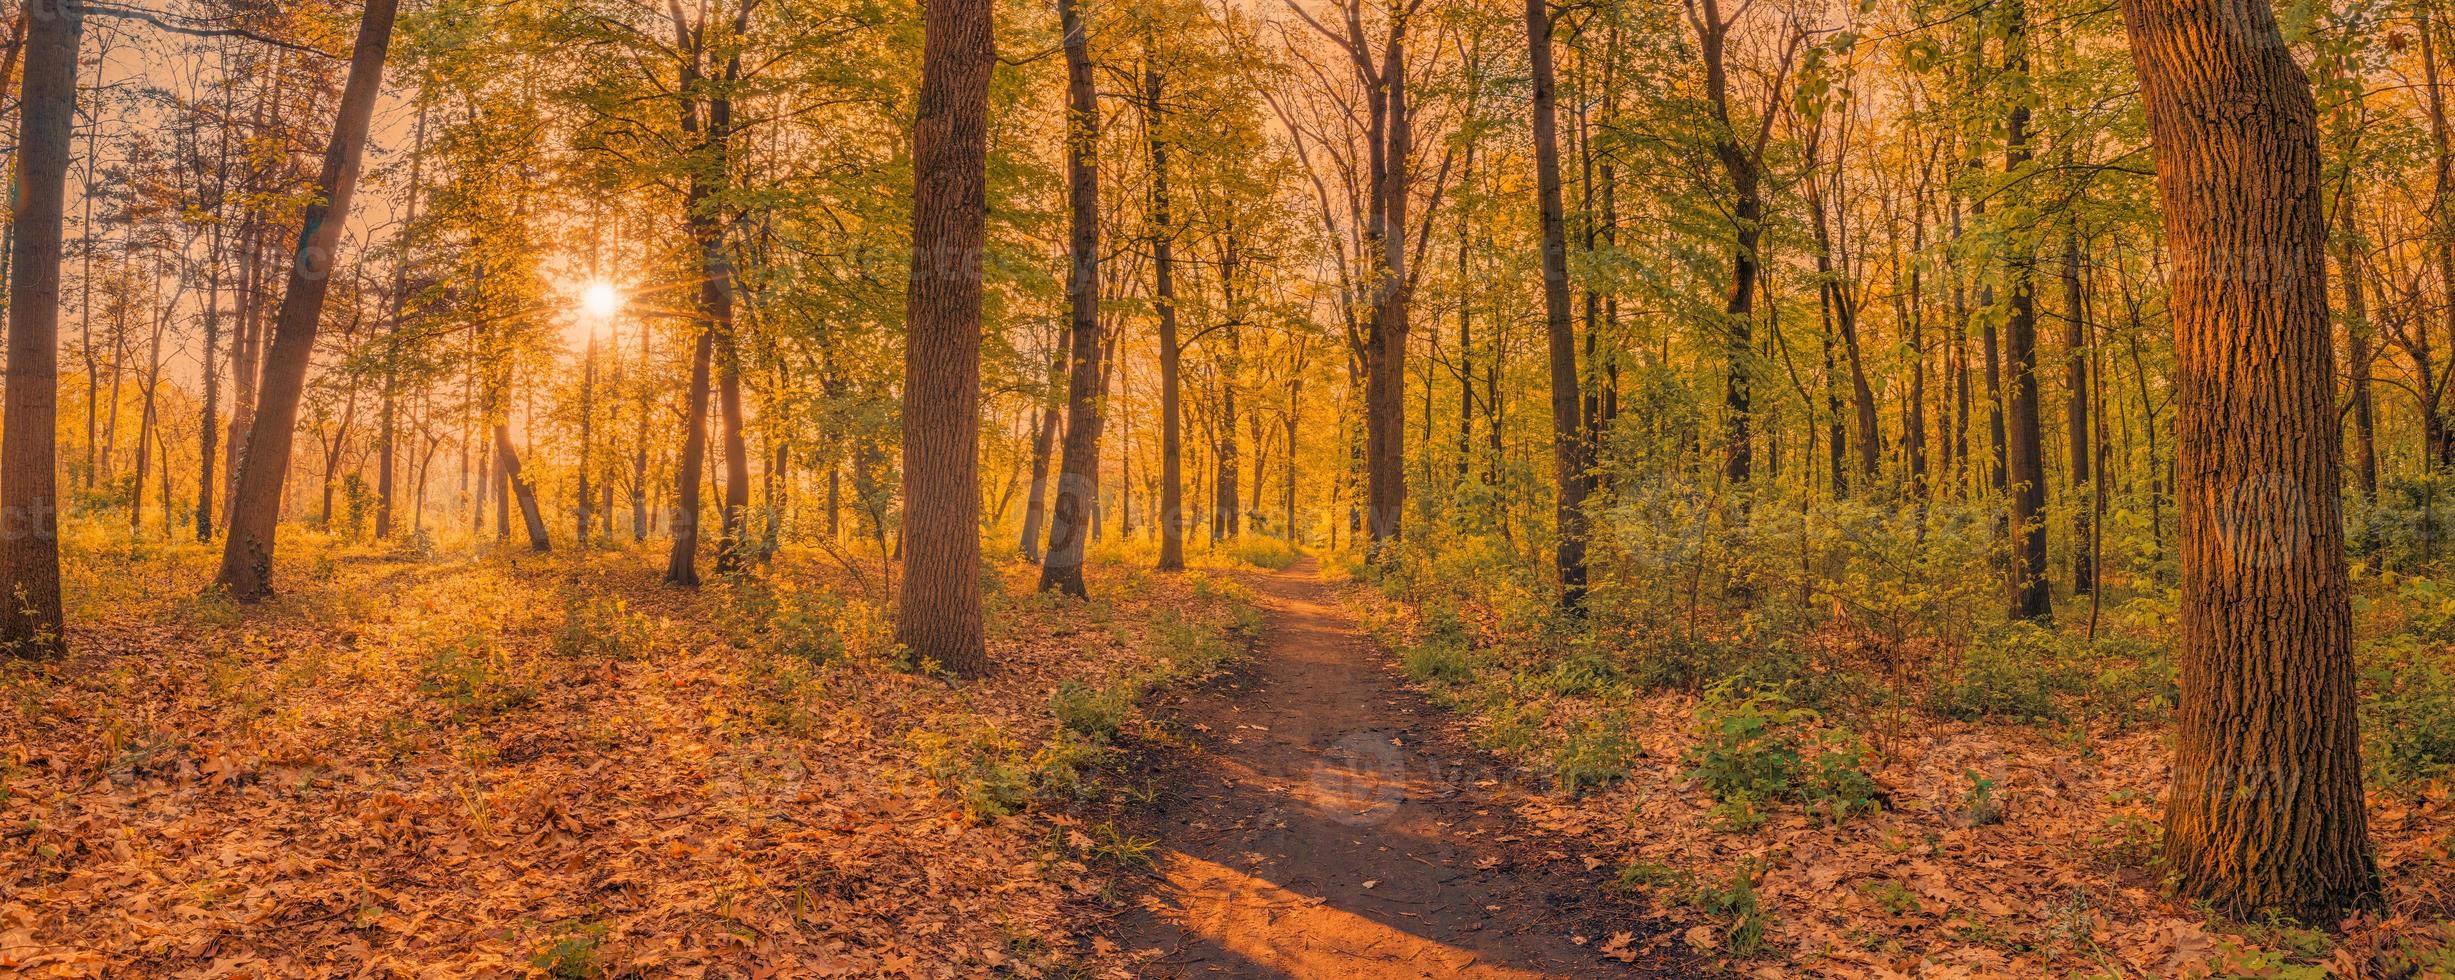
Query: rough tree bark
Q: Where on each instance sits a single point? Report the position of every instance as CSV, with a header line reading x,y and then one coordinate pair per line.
x,y
2265,811
939,619
30,619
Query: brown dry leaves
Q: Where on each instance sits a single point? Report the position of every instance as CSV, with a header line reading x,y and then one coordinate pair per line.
x,y
2064,883
394,772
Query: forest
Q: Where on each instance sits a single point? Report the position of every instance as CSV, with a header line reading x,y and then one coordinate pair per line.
x,y
1307,488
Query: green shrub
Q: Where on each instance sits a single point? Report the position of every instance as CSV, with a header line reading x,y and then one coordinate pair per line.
x,y
776,615
1438,662
475,676
1594,752
984,769
573,953
2010,674
602,627
1735,903
1261,551
1095,713
2408,722
1758,748
1582,674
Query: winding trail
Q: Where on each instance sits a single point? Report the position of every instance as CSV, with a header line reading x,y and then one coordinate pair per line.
x,y
1331,823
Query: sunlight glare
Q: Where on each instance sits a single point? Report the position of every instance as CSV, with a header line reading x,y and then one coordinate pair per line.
x,y
601,301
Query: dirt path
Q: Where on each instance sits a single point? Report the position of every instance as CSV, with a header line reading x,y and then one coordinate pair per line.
x,y
1332,824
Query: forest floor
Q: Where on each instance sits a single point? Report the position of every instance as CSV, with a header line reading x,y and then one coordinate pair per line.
x,y
484,764
1934,847
1326,820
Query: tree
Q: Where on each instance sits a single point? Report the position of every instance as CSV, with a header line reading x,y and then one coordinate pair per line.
x,y
2032,589
1568,437
1171,349
247,555
30,618
2266,808
939,619
1078,478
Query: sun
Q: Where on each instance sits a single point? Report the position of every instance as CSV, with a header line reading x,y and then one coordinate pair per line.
x,y
601,301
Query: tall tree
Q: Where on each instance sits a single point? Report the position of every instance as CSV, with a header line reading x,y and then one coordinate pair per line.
x,y
1078,477
1568,437
247,556
2025,445
940,618
30,619
1171,349
2265,812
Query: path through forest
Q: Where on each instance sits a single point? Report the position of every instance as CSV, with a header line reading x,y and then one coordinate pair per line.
x,y
1332,823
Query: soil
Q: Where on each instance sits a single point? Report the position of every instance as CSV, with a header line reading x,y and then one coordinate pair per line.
x,y
1329,821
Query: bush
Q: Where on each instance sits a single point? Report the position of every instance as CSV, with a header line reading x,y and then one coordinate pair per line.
x,y
475,676
1759,748
2409,723
602,627
1094,713
776,615
1261,551
1595,752
1735,902
2012,674
1438,662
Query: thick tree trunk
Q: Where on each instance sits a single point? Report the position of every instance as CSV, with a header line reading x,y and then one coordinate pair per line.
x,y
1074,516
940,617
247,557
30,621
2265,811
1569,447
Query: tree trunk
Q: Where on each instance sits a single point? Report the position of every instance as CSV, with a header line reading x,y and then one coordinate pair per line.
x,y
940,618
2265,811
1035,502
30,621
588,417
1741,168
1073,516
2361,349
247,557
1569,469
388,423
2032,589
508,466
682,564
1171,351
2077,346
